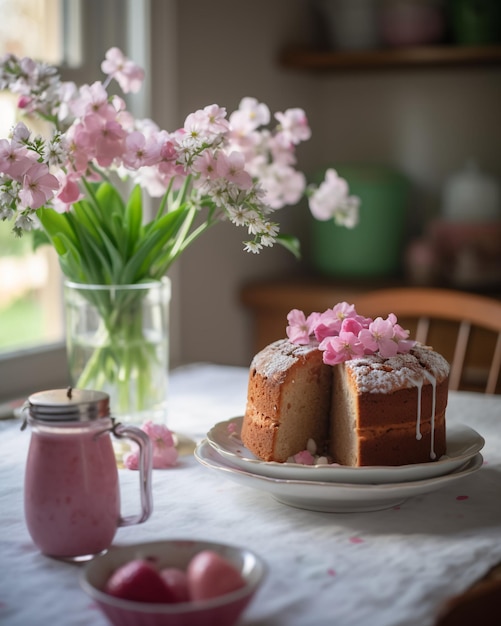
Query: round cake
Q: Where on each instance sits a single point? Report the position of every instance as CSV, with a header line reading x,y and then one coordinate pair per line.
x,y
367,410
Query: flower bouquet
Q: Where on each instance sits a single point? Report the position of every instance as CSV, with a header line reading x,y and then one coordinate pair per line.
x,y
81,184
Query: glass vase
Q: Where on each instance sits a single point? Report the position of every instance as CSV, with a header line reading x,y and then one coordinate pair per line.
x,y
117,340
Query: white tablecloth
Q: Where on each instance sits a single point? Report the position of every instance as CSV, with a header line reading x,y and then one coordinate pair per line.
x,y
385,568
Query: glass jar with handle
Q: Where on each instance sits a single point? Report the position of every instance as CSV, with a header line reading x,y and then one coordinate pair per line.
x,y
72,492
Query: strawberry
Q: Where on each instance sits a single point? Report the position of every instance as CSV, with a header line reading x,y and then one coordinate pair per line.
x,y
139,580
210,575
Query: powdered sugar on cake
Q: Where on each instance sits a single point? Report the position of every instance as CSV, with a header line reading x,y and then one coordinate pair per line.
x,y
375,374
278,357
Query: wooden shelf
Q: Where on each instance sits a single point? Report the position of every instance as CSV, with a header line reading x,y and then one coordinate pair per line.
x,y
301,58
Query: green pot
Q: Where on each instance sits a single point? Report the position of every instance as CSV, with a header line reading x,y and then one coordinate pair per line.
x,y
476,22
374,247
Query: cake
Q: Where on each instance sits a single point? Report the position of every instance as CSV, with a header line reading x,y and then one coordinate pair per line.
x,y
370,409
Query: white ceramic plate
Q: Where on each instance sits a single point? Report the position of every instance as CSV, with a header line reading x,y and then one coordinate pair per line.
x,y
331,497
462,444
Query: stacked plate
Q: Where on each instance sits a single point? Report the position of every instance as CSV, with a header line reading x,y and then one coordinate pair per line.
x,y
335,488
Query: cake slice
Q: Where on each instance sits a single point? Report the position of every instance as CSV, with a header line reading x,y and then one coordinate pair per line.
x,y
288,400
389,411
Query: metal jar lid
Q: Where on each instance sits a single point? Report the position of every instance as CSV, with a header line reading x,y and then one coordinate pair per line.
x,y
69,405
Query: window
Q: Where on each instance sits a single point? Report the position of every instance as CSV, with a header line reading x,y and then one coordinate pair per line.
x,y
30,300
74,34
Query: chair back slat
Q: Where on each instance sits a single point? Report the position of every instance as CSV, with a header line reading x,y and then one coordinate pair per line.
x,y
495,368
459,355
422,329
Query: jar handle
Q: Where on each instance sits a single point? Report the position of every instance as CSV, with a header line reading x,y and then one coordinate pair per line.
x,y
145,465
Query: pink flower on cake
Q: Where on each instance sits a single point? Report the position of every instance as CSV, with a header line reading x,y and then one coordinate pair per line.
x,y
400,335
304,458
343,334
164,450
330,321
300,327
379,337
342,348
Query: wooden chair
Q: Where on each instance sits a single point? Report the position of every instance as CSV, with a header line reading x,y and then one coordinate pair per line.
x,y
469,323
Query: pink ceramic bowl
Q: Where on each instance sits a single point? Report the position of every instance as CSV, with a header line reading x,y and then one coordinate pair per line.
x,y
222,611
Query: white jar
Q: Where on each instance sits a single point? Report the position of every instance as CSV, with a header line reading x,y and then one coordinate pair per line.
x,y
471,195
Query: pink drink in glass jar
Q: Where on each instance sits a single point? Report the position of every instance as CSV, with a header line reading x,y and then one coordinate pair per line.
x,y
72,495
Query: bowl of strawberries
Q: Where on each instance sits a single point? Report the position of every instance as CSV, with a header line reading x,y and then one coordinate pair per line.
x,y
173,583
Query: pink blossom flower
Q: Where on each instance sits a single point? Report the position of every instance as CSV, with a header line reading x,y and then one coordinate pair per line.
x,y
379,338
331,201
24,102
294,125
140,151
195,128
216,119
329,322
15,160
127,74
91,99
342,348
81,149
250,115
69,193
164,451
343,334
232,168
281,150
20,135
351,325
283,185
206,165
304,458
401,336
300,327
107,136
38,186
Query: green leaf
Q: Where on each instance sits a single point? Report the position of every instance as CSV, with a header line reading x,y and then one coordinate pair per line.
x,y
70,259
105,202
40,238
290,243
119,236
113,262
163,230
85,215
133,219
55,223
94,262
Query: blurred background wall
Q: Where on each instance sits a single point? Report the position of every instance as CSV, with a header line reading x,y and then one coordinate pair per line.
x,y
425,122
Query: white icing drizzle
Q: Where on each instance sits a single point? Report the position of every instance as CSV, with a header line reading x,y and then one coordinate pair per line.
x,y
419,387
433,382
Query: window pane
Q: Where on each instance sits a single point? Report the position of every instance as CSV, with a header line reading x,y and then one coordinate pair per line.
x,y
30,298
42,19
30,281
